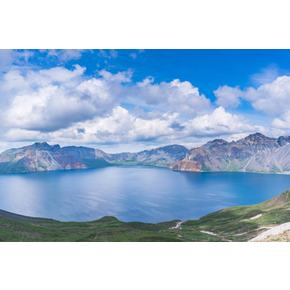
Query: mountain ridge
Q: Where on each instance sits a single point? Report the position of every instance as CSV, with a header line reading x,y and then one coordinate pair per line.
x,y
45,157
253,153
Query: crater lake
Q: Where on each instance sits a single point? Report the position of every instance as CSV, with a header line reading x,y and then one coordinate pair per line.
x,y
145,194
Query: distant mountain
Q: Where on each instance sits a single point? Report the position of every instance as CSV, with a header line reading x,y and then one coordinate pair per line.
x,y
45,157
254,153
161,157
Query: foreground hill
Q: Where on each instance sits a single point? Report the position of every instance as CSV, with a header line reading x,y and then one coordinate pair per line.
x,y
268,221
254,153
45,157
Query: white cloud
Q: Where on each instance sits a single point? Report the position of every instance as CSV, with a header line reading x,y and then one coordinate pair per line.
x,y
228,97
120,126
272,98
266,75
10,58
64,55
281,125
174,96
219,122
54,98
63,105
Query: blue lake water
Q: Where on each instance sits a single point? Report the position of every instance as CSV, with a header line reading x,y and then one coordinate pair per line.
x,y
133,193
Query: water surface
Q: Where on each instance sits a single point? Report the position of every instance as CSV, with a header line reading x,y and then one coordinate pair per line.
x,y
133,193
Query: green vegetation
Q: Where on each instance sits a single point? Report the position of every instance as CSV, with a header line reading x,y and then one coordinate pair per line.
x,y
233,224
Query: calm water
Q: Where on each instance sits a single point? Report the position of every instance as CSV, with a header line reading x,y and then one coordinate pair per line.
x,y
133,193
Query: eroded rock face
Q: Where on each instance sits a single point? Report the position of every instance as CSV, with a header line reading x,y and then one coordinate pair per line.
x,y
186,165
254,153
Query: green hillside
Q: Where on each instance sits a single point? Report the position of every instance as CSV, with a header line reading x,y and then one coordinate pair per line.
x,y
232,224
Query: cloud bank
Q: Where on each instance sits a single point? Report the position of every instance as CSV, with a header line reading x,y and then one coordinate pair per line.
x,y
65,104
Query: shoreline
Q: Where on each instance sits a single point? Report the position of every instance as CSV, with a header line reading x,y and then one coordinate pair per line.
x,y
233,224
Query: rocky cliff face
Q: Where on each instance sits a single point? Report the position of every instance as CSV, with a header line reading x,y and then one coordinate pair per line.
x,y
44,157
255,153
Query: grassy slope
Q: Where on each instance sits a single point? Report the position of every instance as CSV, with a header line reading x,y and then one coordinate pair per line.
x,y
232,224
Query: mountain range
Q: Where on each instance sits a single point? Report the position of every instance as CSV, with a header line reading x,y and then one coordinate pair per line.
x,y
254,153
45,157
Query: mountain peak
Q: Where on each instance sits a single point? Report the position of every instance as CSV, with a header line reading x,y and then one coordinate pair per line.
x,y
256,136
215,143
44,146
218,141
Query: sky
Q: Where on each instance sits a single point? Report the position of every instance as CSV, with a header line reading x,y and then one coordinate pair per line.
x,y
130,100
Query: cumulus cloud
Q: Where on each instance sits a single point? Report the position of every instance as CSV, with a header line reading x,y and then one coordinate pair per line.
x,y
272,98
51,99
228,97
121,127
218,122
10,58
63,105
281,125
175,96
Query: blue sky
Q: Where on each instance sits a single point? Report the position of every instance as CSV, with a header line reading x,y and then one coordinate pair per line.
x,y
133,99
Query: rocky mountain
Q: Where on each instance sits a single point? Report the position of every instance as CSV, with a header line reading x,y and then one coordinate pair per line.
x,y
161,157
45,157
254,153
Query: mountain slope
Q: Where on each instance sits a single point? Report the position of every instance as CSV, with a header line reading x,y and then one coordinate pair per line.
x,y
254,153
44,157
162,156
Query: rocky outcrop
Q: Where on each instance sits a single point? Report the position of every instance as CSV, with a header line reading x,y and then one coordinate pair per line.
x,y
254,153
186,165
